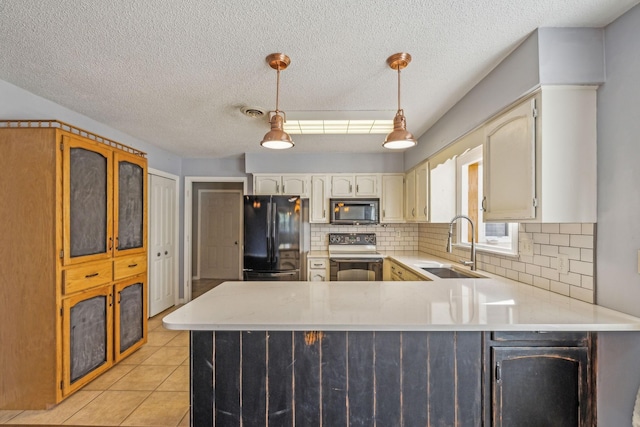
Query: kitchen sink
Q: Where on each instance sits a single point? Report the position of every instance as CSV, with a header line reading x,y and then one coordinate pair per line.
x,y
452,273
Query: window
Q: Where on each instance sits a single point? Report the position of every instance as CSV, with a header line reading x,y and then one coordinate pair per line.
x,y
492,236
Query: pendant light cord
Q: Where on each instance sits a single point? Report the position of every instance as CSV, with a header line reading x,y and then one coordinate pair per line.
x,y
278,89
399,89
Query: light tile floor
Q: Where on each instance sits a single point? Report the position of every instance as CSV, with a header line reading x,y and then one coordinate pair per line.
x,y
148,388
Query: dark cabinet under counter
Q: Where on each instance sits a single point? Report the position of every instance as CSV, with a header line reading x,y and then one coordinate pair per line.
x,y
351,378
539,379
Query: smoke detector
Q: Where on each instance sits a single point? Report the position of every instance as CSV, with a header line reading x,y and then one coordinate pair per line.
x,y
253,112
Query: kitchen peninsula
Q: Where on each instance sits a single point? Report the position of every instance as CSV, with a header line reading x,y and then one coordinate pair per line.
x,y
440,352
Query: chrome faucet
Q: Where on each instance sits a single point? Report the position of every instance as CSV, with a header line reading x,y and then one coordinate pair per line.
x,y
471,263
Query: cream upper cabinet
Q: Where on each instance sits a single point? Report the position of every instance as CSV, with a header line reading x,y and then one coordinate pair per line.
x,y
442,192
295,185
422,192
540,159
509,165
342,185
410,195
367,185
267,184
392,200
357,185
319,200
416,193
290,184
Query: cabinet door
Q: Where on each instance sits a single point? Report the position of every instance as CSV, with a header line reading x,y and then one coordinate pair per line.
x,y
342,186
422,192
87,337
87,200
319,200
540,386
509,165
130,209
297,185
317,275
267,184
392,198
410,196
130,328
366,186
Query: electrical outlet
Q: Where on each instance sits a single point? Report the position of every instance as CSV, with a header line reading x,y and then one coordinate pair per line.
x,y
526,248
563,264
398,233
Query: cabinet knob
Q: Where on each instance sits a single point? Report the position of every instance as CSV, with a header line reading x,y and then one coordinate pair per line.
x,y
159,254
166,252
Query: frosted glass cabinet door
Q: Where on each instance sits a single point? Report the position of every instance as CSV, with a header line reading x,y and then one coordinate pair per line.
x,y
87,337
130,189
130,312
87,201
509,165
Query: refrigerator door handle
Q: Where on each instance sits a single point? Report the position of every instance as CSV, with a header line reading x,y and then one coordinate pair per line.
x,y
274,208
269,232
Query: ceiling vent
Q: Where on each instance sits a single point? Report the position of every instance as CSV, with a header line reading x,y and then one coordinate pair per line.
x,y
253,112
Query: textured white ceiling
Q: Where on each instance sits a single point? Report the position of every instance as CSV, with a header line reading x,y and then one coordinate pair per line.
x,y
175,73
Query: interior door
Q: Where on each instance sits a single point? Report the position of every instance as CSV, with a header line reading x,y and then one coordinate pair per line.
x,y
219,234
162,253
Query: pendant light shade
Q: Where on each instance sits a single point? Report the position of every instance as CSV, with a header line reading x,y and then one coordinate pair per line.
x,y
277,138
399,138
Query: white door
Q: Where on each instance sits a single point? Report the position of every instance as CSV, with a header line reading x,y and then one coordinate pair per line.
x,y
219,234
162,244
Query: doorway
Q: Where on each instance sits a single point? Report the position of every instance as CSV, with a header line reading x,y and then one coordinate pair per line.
x,y
219,232
193,186
163,238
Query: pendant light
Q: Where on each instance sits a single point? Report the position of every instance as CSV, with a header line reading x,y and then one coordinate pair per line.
x,y
277,138
399,137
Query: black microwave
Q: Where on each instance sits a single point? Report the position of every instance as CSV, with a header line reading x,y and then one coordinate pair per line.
x,y
355,211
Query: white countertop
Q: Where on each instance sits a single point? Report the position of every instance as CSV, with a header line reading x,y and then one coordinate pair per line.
x,y
489,304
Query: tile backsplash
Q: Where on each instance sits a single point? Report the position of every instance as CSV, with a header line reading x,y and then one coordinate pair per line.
x,y
575,241
389,237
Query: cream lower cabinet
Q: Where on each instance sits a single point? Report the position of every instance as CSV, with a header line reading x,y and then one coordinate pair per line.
x,y
397,272
318,269
539,159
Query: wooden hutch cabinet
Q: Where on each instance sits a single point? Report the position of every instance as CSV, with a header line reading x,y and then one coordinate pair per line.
x,y
73,296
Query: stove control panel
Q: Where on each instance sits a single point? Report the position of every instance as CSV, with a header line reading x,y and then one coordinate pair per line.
x,y
352,238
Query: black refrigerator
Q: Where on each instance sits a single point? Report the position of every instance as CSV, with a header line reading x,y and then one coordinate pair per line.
x,y
274,237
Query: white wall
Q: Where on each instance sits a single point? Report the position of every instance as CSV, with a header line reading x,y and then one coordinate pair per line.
x,y
618,240
18,104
